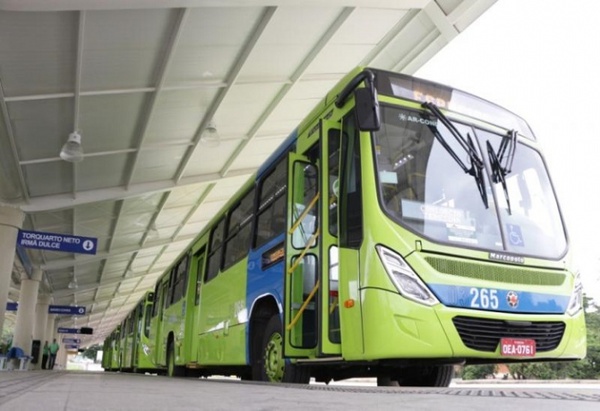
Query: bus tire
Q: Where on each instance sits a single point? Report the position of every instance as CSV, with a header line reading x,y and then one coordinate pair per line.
x,y
170,360
387,382
272,366
430,376
173,370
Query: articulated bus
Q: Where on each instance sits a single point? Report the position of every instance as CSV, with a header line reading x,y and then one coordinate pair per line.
x,y
403,228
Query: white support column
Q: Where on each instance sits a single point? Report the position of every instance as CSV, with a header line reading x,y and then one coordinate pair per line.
x,y
39,329
61,358
50,333
11,220
26,311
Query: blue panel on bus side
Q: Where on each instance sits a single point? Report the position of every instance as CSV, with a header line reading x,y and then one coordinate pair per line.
x,y
264,277
492,299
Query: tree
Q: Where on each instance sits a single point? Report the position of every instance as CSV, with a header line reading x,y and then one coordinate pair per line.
x,y
477,372
92,352
588,368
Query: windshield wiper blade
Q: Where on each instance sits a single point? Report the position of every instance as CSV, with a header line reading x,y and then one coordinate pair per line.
x,y
476,169
509,142
501,161
469,148
498,173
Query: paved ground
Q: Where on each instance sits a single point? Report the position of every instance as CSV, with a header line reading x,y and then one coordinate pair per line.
x,y
81,391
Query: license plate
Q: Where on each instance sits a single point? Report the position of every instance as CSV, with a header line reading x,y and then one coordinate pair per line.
x,y
517,347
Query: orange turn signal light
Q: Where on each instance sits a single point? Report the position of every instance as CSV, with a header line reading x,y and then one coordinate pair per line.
x,y
349,303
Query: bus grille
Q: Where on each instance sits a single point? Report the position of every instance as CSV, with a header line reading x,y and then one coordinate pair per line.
x,y
496,272
485,334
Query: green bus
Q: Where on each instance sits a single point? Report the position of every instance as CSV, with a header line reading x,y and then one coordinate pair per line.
x,y
403,228
110,351
127,347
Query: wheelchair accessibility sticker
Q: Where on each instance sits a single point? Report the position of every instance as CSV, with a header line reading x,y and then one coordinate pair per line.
x,y
514,235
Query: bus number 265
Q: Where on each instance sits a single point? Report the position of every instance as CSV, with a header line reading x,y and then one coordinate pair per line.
x,y
484,298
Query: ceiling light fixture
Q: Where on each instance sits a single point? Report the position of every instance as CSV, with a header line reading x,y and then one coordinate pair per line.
x,y
72,151
210,136
73,284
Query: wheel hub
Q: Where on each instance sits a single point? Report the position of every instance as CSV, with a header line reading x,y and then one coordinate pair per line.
x,y
274,362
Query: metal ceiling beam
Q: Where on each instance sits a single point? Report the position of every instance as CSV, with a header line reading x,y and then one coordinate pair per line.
x,y
90,302
442,22
77,90
90,287
62,5
13,145
389,37
64,263
294,79
193,209
62,201
109,247
230,81
162,76
137,90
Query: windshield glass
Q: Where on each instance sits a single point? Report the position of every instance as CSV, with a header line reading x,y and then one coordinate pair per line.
x,y
425,189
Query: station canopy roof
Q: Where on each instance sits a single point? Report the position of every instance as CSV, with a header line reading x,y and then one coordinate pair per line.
x,y
140,81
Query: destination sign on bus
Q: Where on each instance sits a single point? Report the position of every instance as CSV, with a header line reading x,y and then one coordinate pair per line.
x,y
424,91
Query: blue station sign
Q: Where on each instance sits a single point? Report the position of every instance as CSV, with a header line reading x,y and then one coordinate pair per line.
x,y
66,310
71,340
65,330
12,306
56,309
71,347
57,242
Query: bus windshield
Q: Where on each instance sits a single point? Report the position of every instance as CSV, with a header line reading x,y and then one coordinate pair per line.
x,y
423,187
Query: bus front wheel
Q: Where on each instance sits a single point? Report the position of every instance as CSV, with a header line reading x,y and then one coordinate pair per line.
x,y
430,376
272,366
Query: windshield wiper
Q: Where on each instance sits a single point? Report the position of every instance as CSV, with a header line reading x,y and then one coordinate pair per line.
x,y
476,169
501,161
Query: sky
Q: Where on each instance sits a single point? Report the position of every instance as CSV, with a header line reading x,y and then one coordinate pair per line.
x,y
539,59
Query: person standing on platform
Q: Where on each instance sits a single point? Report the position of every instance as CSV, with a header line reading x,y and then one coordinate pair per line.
x,y
45,353
53,349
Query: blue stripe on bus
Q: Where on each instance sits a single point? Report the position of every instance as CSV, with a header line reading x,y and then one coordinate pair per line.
x,y
263,282
494,299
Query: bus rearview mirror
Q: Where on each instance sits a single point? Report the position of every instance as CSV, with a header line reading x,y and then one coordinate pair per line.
x,y
367,109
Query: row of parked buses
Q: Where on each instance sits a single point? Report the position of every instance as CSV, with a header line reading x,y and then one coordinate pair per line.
x,y
403,228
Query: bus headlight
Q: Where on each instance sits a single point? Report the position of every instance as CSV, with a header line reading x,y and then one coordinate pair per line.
x,y
404,278
576,302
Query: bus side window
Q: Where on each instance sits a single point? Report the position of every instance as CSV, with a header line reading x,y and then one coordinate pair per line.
x,y
180,280
271,205
239,229
155,299
216,250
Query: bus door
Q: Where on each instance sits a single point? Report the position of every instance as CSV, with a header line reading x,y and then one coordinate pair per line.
x,y
193,319
329,341
161,339
138,317
309,293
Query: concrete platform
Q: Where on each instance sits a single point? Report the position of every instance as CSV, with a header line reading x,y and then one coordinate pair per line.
x,y
81,391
